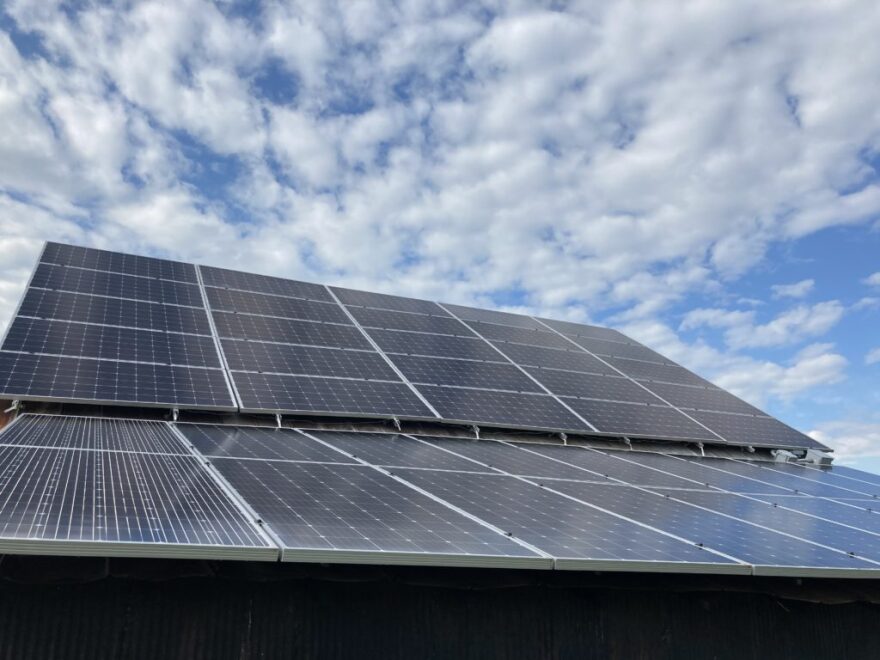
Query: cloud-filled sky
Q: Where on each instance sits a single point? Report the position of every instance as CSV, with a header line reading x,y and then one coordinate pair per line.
x,y
704,176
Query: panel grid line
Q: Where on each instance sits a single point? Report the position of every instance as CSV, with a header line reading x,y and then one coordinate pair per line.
x,y
391,364
230,382
526,373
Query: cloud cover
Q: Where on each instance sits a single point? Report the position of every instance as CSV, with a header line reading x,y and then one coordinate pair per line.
x,y
614,162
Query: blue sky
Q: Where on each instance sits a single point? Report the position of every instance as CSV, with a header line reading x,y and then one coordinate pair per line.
x,y
704,176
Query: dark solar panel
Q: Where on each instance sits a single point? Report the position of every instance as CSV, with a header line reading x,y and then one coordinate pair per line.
x,y
701,398
64,306
49,377
641,420
318,510
520,336
233,279
581,330
760,472
617,349
384,301
393,449
757,431
660,372
536,411
590,386
859,488
855,516
95,341
268,328
756,545
77,280
707,471
556,525
306,360
307,394
493,316
465,373
258,443
267,305
73,255
380,318
534,356
92,433
412,343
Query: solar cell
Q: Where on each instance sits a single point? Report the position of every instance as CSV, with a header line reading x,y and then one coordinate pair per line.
x,y
561,527
305,360
698,398
82,502
536,411
101,434
65,306
493,316
464,373
249,302
511,459
855,542
268,328
233,279
380,318
707,471
73,255
357,514
94,341
395,450
307,394
582,330
49,377
639,420
660,372
618,349
769,551
756,431
61,278
590,386
258,443
384,301
535,356
503,333
412,343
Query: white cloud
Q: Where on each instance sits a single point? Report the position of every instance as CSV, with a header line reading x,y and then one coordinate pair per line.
x,y
796,290
850,440
873,356
789,327
873,279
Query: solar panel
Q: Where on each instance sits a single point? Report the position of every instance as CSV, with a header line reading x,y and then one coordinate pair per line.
x,y
352,297
357,514
24,376
756,431
698,398
307,394
535,356
248,302
29,335
64,306
464,373
591,386
395,450
666,373
95,501
493,316
233,279
257,442
767,550
378,318
860,517
584,536
856,488
581,330
115,262
288,331
639,420
503,333
617,349
242,355
412,343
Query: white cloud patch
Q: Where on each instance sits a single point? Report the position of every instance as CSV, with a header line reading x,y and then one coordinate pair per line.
x,y
873,279
873,356
850,440
789,327
797,290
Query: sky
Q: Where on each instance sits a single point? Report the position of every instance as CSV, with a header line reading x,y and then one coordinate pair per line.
x,y
704,176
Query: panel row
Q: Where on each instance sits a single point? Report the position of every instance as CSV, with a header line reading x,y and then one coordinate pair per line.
x,y
116,262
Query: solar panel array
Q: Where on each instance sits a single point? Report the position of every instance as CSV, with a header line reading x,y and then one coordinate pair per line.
x,y
98,326
140,488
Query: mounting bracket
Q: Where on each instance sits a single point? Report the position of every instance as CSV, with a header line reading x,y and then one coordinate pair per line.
x,y
396,423
476,430
175,413
278,420
16,404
